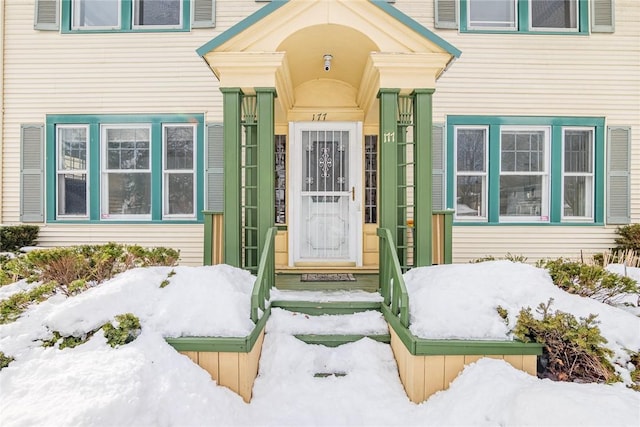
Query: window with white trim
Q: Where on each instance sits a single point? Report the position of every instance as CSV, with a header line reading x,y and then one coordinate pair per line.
x,y
144,168
471,172
126,172
72,144
578,166
179,170
547,16
524,174
533,170
129,15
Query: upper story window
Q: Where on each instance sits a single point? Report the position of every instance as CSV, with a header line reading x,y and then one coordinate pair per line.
x,y
526,169
525,16
126,15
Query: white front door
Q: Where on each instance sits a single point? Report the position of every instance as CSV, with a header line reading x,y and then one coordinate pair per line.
x,y
326,167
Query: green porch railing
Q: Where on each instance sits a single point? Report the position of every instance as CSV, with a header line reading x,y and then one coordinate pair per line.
x,y
266,276
392,286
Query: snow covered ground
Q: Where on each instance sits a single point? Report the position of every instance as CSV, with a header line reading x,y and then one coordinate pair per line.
x,y
146,382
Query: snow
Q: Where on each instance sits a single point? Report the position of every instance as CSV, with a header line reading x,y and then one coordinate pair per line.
x,y
148,383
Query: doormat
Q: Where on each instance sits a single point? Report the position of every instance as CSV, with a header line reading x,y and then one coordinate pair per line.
x,y
328,277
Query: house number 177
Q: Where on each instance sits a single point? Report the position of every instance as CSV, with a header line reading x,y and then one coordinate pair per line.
x,y
319,117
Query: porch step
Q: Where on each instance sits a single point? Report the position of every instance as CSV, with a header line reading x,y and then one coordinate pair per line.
x,y
311,323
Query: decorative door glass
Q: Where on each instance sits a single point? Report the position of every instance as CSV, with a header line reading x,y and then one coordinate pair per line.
x,y
326,193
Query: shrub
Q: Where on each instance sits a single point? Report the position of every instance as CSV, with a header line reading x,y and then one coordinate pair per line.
x,y
573,349
4,360
12,307
72,270
14,237
67,341
629,237
635,374
125,329
508,257
591,281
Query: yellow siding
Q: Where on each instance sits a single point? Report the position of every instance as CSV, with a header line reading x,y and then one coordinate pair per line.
x,y
186,238
45,72
542,75
534,242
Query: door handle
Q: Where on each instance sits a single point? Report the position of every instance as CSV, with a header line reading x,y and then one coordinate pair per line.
x,y
353,193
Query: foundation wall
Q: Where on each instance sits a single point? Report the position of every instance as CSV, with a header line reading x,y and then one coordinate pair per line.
x,y
423,376
236,371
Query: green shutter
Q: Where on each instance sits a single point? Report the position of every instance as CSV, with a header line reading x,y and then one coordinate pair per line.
x,y
602,16
438,164
204,14
32,173
47,15
618,179
446,13
214,168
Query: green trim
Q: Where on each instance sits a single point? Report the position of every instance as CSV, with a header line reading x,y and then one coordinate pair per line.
x,y
388,168
126,20
94,122
320,308
416,26
207,253
431,347
556,124
522,21
423,170
266,193
232,113
240,26
221,344
337,340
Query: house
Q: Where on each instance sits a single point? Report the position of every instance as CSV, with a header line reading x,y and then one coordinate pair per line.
x,y
517,119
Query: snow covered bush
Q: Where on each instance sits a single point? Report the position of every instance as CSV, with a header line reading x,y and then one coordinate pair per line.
x,y
4,360
573,348
591,281
123,330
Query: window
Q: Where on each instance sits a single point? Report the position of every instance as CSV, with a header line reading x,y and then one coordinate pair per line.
x,y
524,189
126,15
549,16
71,172
526,169
144,168
471,172
371,179
179,170
281,179
126,176
157,13
492,14
578,165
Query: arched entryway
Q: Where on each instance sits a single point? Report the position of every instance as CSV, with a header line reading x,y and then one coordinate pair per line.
x,y
329,77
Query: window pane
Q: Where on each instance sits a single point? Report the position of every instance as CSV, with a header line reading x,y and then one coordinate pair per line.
x,y
578,151
157,12
470,194
179,147
522,151
521,195
554,13
128,148
180,187
96,13
72,194
129,193
72,153
371,179
281,179
492,13
577,196
471,150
